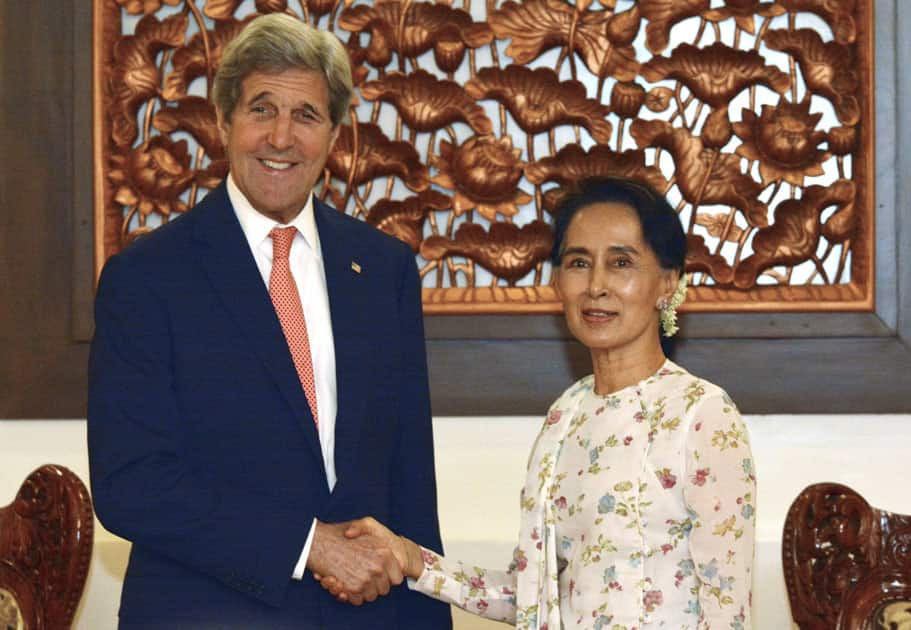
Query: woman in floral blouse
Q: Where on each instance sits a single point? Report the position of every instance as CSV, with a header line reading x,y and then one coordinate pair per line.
x,y
638,505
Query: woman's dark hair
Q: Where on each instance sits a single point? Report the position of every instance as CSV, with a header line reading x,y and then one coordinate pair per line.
x,y
660,224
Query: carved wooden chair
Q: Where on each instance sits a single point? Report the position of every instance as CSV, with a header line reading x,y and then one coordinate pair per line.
x,y
847,565
45,549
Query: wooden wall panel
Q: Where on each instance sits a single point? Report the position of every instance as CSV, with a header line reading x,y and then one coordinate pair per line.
x,y
42,370
782,363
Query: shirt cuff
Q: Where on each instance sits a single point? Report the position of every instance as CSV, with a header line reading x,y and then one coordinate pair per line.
x,y
432,569
301,565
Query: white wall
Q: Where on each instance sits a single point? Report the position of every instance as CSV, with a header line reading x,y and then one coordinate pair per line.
x,y
480,466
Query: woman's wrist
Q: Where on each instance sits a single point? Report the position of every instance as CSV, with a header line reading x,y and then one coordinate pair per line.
x,y
415,566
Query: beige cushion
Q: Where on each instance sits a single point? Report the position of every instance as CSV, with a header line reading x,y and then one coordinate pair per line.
x,y
10,616
895,616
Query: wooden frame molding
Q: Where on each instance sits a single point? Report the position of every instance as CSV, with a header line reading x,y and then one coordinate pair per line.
x,y
756,121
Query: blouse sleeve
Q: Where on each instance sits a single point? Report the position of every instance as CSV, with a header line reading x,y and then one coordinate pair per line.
x,y
720,494
490,594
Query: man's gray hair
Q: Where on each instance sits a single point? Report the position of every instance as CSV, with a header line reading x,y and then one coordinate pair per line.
x,y
277,42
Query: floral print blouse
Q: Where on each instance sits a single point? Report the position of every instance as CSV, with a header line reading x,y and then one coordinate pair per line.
x,y
637,513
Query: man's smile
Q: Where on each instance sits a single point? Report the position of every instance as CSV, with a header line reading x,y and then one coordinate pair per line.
x,y
278,166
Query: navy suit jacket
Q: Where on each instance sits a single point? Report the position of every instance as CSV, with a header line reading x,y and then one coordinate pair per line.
x,y
202,448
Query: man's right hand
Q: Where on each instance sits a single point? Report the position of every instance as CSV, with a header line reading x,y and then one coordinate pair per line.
x,y
365,566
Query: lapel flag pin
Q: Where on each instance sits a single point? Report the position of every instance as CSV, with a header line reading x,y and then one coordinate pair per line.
x,y
356,268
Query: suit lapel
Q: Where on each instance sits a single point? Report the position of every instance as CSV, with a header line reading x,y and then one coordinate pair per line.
x,y
343,283
226,257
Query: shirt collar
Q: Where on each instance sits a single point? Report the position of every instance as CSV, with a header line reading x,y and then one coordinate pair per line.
x,y
256,226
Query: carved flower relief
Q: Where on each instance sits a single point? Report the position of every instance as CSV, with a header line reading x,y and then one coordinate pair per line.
x,y
507,251
484,172
318,8
135,7
405,219
152,176
603,39
659,98
716,74
826,68
572,164
744,12
426,103
627,98
449,32
842,140
784,140
448,52
717,130
539,101
366,153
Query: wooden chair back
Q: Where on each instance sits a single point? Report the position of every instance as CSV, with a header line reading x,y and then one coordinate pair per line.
x,y
847,565
45,550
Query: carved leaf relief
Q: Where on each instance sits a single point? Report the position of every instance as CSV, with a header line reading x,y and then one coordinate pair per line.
x,y
717,73
539,101
540,25
506,250
364,153
405,219
426,103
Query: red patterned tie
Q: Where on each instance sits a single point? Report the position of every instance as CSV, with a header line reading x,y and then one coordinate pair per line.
x,y
287,301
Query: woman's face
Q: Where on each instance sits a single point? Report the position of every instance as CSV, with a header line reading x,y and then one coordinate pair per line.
x,y
610,280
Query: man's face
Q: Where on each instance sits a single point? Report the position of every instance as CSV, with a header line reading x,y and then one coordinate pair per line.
x,y
278,139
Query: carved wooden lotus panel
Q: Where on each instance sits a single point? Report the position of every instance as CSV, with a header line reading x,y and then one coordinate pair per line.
x,y
753,117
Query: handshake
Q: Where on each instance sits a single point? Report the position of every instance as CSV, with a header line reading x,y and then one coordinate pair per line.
x,y
362,559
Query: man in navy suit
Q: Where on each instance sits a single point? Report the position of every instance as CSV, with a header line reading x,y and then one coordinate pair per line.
x,y
258,377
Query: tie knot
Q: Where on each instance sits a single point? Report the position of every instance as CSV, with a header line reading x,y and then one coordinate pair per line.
x,y
281,241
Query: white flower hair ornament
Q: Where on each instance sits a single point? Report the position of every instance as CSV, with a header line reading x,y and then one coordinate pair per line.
x,y
668,308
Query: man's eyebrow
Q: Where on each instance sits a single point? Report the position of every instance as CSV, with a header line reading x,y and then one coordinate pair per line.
x,y
309,108
259,96
305,105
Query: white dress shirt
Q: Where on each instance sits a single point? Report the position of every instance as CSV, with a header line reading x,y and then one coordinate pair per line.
x,y
306,264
